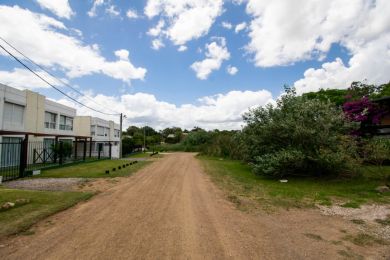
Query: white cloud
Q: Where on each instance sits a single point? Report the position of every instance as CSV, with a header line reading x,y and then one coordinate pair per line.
x,y
96,4
44,39
185,19
216,53
240,27
222,111
157,30
132,14
113,11
157,44
370,62
22,79
61,8
231,70
182,48
227,25
285,32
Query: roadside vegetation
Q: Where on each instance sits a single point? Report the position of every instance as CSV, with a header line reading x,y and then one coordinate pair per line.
x,y
323,143
95,169
28,207
249,190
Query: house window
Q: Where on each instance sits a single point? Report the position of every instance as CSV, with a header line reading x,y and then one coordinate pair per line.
x,y
66,123
116,133
93,130
13,114
50,120
106,131
100,131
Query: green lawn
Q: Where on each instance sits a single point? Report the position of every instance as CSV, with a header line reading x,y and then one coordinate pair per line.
x,y
94,169
32,206
245,188
138,155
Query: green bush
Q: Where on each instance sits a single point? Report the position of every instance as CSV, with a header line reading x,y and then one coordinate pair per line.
x,y
64,150
376,151
298,136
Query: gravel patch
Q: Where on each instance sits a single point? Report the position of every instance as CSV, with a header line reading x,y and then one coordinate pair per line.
x,y
47,184
365,212
368,213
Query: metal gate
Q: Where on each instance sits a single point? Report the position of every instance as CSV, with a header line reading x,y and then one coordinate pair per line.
x,y
10,160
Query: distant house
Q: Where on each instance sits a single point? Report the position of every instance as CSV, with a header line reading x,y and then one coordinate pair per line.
x,y
383,128
171,136
103,133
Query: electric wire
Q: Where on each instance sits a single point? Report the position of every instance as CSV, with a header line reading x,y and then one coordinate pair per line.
x,y
51,85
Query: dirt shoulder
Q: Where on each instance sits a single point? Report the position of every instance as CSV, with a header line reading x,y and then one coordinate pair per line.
x,y
171,209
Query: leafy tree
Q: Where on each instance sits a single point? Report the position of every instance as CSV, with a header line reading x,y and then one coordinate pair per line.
x,y
176,132
298,136
336,96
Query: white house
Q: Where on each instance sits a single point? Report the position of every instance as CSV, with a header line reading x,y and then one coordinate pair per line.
x,y
104,133
27,114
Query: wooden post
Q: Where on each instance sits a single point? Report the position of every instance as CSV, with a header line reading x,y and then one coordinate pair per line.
x,y
56,148
75,149
85,149
90,147
61,152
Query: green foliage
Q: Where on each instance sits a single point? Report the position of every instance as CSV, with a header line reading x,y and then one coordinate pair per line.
x,y
298,136
172,135
62,149
376,150
336,96
226,144
135,138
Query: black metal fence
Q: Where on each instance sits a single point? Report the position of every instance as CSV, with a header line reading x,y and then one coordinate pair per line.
x,y
20,159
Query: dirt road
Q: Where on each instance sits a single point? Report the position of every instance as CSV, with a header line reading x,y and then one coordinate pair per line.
x,y
170,210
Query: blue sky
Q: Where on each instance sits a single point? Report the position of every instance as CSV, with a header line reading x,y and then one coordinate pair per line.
x,y
267,53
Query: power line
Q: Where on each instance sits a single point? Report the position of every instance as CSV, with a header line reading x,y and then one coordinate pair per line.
x,y
53,76
51,85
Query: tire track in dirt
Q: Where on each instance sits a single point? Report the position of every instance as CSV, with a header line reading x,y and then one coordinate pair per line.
x,y
171,210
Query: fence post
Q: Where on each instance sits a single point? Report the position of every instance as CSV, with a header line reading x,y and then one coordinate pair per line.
x,y
61,152
23,156
90,147
75,149
110,149
55,152
85,149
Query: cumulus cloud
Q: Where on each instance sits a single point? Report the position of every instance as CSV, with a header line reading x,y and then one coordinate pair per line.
x,y
157,44
231,70
96,4
22,79
216,53
46,41
227,25
285,32
221,111
61,8
132,14
182,48
239,27
185,20
113,11
157,30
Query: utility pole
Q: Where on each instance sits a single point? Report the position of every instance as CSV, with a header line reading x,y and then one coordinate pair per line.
x,y
120,136
144,138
